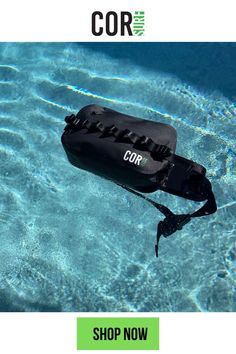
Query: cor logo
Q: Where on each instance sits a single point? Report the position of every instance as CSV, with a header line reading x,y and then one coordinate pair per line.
x,y
135,158
124,23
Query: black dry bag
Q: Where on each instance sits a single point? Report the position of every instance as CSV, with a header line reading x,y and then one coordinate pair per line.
x,y
139,155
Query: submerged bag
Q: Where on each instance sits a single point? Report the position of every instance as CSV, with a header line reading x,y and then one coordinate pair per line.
x,y
139,155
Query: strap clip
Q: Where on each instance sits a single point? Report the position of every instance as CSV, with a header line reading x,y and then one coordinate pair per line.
x,y
169,225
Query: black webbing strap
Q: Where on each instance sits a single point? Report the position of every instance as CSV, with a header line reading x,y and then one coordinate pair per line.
x,y
174,222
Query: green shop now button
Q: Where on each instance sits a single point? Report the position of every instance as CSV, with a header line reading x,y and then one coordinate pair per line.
x,y
117,333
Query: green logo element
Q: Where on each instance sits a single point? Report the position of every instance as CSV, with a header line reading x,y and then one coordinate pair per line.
x,y
117,333
143,161
138,24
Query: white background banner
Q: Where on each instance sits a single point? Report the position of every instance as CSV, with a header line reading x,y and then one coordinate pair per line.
x,y
180,333
169,20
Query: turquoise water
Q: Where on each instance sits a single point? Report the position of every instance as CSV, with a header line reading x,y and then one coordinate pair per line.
x,y
71,241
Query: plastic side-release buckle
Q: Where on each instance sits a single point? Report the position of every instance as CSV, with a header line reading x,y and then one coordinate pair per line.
x,y
169,225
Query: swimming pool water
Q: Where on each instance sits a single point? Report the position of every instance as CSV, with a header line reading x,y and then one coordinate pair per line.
x,y
71,241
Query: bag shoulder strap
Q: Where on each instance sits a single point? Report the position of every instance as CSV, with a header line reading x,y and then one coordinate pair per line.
x,y
174,222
